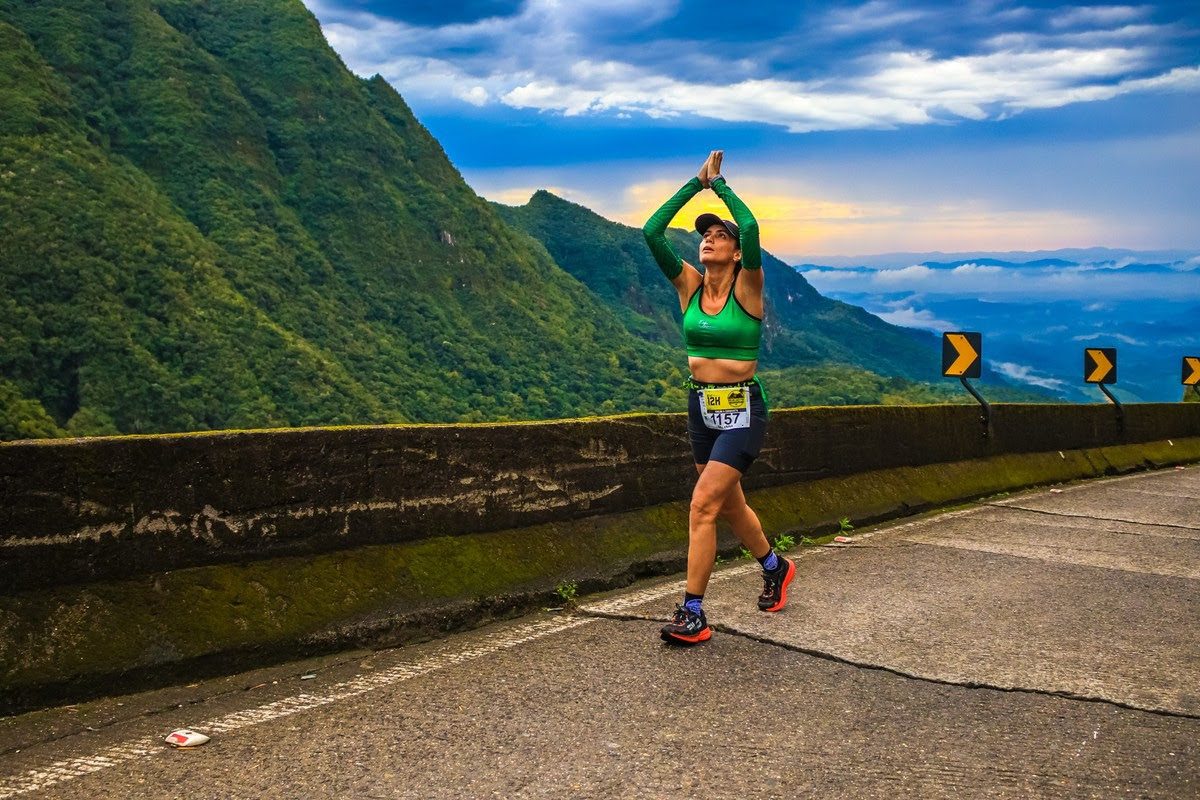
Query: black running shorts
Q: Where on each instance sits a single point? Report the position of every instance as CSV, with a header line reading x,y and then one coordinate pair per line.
x,y
738,447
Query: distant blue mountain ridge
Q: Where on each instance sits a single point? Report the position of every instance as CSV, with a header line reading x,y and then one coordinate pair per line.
x,y
1017,258
995,262
1038,311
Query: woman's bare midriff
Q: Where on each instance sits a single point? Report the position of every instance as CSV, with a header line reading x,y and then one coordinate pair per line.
x,y
721,370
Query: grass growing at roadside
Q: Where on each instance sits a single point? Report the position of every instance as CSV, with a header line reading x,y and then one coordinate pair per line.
x,y
566,591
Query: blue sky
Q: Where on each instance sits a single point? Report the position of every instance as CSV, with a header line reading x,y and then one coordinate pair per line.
x,y
850,128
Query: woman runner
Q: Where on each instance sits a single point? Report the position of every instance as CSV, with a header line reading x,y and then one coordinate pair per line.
x,y
727,409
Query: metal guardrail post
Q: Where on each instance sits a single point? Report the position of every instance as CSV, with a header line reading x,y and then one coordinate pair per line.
x,y
986,417
1117,403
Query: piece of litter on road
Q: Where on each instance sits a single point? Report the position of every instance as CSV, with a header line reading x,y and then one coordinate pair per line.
x,y
185,738
1056,491
1179,468
842,539
308,677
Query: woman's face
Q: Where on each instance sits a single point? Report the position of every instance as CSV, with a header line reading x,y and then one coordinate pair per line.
x,y
717,246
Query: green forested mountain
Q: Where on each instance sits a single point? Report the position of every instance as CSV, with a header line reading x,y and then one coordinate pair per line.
x,y
206,221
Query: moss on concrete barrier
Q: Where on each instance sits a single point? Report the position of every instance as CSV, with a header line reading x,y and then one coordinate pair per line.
x,y
438,567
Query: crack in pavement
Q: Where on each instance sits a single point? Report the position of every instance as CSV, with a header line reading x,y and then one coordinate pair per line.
x,y
1089,516
866,665
1063,694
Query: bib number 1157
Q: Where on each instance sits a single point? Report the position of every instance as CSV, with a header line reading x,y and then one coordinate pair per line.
x,y
726,409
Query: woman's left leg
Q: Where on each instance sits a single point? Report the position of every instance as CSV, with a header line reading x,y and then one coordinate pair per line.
x,y
716,484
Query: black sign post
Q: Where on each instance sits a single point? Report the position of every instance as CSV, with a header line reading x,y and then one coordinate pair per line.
x,y
1100,368
962,358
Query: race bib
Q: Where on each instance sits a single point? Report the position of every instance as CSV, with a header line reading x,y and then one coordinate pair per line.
x,y
726,409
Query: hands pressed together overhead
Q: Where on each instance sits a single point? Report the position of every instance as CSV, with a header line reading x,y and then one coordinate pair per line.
x,y
711,168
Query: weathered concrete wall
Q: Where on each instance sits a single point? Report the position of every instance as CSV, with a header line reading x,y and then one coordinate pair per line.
x,y
133,561
111,508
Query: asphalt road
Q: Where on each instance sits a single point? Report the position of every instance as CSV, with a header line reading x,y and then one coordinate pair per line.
x,y
1040,645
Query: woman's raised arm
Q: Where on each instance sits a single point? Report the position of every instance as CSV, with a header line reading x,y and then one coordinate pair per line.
x,y
655,229
747,224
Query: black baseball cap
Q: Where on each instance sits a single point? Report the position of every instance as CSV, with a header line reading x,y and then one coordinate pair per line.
x,y
706,221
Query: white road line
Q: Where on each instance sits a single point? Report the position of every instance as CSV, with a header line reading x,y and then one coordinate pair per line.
x,y
69,769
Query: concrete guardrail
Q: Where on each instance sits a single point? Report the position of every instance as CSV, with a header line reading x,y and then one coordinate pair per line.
x,y
131,561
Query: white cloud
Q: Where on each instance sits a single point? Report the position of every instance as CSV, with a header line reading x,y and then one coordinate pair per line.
x,y
1120,337
1028,375
476,95
907,276
874,15
551,56
1178,79
1026,40
1081,16
827,276
976,269
906,88
909,317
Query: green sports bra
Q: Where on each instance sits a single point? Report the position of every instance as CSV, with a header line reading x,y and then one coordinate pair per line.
x,y
733,332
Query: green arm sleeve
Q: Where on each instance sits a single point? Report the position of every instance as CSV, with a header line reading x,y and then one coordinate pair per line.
x,y
655,229
747,224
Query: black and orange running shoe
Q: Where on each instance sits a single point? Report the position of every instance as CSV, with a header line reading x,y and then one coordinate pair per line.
x,y
686,627
775,585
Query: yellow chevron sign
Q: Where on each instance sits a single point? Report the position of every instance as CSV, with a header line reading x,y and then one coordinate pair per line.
x,y
961,354
1191,370
1100,365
